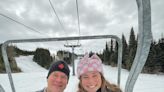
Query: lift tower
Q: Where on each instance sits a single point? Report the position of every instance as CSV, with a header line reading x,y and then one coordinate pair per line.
x,y
72,56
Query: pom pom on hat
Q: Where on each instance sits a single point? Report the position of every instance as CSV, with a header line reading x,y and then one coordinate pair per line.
x,y
87,64
59,66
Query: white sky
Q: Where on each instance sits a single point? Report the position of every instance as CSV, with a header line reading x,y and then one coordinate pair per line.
x,y
97,17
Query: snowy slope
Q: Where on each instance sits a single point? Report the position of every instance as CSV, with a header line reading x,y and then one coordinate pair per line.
x,y
33,78
26,65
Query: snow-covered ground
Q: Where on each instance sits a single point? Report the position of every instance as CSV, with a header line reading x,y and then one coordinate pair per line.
x,y
33,78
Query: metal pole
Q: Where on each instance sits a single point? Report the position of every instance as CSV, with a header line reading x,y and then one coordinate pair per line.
x,y
119,61
144,42
1,89
73,62
72,56
7,65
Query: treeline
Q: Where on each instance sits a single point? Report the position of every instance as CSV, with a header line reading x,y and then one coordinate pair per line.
x,y
41,56
12,51
155,60
44,58
66,56
154,63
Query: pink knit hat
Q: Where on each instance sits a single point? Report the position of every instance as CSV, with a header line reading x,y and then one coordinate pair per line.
x,y
87,64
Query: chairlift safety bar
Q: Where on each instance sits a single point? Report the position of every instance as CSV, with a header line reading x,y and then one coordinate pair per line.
x,y
7,65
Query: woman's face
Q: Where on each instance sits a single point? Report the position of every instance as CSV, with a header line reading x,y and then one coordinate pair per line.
x,y
91,81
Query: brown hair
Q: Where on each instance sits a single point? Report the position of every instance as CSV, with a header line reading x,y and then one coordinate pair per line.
x,y
104,86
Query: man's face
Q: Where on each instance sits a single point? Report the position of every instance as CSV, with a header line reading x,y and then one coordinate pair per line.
x,y
57,81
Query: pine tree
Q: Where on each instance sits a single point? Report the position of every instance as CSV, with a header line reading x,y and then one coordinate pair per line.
x,y
162,54
132,49
42,57
150,62
114,54
132,40
106,54
124,51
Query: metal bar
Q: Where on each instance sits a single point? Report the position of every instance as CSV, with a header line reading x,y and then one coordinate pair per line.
x,y
63,39
7,66
119,61
144,43
1,89
73,62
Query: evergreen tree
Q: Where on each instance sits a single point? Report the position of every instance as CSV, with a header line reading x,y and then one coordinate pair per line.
x,y
114,55
162,54
42,57
124,51
111,46
22,52
150,63
132,49
106,54
132,40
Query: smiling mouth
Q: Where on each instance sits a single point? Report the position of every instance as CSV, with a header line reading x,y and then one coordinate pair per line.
x,y
57,85
91,86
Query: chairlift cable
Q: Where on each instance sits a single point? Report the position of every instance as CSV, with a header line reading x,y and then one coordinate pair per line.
x,y
21,24
57,16
78,19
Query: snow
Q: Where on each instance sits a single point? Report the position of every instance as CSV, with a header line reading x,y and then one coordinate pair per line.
x,y
33,78
27,66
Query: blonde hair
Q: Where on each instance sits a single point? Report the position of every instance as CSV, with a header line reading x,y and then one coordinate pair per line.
x,y
105,85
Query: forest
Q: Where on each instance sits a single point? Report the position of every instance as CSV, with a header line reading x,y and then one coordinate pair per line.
x,y
154,63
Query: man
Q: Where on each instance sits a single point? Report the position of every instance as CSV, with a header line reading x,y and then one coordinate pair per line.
x,y
57,78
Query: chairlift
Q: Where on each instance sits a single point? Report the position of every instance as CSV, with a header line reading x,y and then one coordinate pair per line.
x,y
144,42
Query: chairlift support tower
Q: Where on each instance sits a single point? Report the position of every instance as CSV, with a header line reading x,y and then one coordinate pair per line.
x,y
72,56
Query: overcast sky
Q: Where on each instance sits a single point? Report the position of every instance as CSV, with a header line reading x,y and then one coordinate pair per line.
x,y
97,17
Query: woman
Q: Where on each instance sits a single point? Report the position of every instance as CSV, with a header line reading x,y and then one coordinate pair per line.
x,y
90,74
